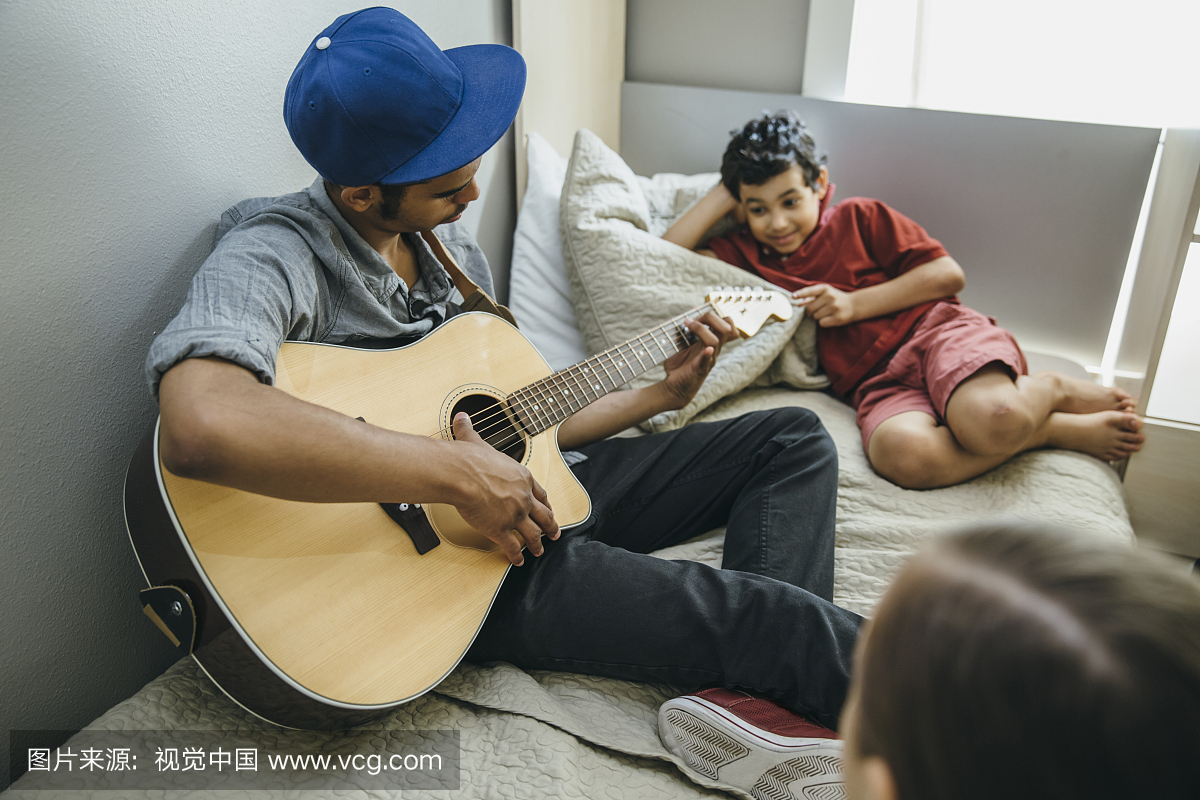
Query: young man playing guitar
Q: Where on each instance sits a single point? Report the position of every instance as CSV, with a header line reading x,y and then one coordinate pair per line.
x,y
396,129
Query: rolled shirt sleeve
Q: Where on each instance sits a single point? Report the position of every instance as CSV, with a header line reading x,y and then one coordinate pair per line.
x,y
292,268
242,303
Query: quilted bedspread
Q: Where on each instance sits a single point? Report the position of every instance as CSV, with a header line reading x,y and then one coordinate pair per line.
x,y
551,735
556,735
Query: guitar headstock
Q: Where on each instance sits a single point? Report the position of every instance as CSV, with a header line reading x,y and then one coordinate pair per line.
x,y
749,307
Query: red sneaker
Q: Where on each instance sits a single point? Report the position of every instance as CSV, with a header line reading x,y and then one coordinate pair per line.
x,y
732,740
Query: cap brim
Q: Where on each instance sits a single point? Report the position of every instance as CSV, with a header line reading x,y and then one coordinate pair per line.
x,y
493,84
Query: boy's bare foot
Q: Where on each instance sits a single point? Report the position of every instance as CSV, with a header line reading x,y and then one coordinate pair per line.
x,y
1086,397
1109,435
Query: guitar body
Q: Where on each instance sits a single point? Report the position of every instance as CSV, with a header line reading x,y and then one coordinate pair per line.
x,y
324,615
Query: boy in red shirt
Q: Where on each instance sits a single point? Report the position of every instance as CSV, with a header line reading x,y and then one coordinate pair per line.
x,y
942,393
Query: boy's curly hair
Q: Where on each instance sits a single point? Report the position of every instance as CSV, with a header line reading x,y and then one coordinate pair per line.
x,y
767,146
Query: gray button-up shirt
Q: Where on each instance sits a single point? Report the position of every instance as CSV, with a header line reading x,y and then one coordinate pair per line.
x,y
292,267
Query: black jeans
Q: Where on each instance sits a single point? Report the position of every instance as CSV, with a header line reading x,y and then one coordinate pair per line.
x,y
593,603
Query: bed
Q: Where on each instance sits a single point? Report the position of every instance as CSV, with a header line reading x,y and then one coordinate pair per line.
x,y
589,270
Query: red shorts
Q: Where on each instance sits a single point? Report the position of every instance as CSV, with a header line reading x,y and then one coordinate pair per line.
x,y
950,344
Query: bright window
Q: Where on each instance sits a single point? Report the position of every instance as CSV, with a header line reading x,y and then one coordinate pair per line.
x,y
1107,61
1081,60
883,45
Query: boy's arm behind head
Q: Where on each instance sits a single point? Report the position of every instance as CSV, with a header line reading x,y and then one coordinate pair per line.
x,y
688,230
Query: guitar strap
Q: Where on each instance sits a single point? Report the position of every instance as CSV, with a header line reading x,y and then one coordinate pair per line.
x,y
474,298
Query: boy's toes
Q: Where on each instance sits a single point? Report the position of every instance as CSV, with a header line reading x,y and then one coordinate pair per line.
x,y
1130,422
1128,443
1124,448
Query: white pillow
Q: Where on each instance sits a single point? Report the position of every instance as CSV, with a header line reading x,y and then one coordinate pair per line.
x,y
539,294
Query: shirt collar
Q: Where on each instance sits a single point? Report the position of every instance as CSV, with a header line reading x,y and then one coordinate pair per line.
x,y
376,272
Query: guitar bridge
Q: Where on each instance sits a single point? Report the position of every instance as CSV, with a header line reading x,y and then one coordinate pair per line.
x,y
411,517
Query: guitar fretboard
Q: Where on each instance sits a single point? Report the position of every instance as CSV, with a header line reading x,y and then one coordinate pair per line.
x,y
547,402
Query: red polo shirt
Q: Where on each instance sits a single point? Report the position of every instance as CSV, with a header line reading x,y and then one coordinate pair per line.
x,y
858,243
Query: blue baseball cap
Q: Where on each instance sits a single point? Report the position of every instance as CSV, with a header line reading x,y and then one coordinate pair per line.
x,y
374,100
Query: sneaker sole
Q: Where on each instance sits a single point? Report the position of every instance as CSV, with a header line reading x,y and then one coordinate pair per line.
x,y
721,751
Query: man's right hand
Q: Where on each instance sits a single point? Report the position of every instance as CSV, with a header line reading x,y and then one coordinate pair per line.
x,y
503,501
221,425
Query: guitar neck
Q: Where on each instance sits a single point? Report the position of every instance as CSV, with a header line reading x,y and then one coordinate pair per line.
x,y
545,403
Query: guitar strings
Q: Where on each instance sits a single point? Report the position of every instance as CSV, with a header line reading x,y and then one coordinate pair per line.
x,y
511,435
489,425
486,430
494,423
683,338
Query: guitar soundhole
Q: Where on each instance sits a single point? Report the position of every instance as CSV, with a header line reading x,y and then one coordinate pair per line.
x,y
492,424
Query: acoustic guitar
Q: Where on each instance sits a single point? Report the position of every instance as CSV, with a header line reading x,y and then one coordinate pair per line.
x,y
324,615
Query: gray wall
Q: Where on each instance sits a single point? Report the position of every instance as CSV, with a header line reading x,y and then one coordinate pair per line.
x,y
127,127
757,45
